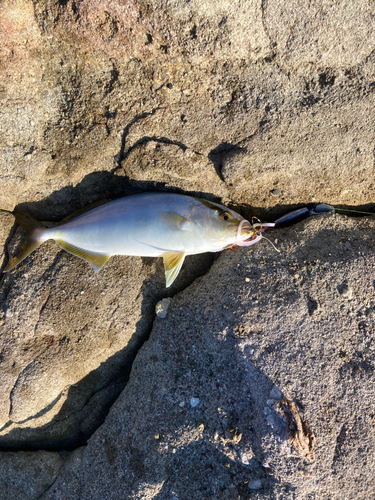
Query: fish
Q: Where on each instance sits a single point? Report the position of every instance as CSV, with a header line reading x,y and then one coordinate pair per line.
x,y
148,225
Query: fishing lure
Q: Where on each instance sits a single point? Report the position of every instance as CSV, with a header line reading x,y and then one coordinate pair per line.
x,y
148,225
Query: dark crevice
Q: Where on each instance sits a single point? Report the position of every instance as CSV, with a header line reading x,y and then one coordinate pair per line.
x,y
217,155
193,32
326,79
4,293
123,153
162,140
312,306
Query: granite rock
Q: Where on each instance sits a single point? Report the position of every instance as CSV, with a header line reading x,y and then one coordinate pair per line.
x,y
27,475
281,370
264,106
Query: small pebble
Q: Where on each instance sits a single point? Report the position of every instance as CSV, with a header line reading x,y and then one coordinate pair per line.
x,y
161,308
182,404
345,291
244,458
247,280
275,393
194,402
255,485
275,191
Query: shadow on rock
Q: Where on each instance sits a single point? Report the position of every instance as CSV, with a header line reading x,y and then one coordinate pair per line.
x,y
217,155
193,419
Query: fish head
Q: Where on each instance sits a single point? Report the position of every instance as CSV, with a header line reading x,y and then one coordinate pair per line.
x,y
222,226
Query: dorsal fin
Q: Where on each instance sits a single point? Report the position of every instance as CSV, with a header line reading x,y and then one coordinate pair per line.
x,y
125,192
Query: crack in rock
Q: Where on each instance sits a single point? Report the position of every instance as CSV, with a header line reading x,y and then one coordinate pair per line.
x,y
116,385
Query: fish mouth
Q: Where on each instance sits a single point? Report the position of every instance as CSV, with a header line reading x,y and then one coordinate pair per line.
x,y
246,228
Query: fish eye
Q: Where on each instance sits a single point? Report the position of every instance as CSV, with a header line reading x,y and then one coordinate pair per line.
x,y
226,216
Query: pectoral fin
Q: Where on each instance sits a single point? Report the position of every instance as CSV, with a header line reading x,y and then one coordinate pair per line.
x,y
97,260
172,264
174,220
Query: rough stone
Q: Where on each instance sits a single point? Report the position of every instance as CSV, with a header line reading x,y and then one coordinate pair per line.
x,y
27,475
264,106
6,224
84,83
260,342
68,339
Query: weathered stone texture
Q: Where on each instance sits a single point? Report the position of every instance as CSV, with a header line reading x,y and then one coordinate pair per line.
x,y
68,339
104,77
27,475
208,410
262,105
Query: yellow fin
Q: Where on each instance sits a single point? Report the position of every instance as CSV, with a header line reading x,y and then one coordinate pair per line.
x,y
174,220
172,264
97,260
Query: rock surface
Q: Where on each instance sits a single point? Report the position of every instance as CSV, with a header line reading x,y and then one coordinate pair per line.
x,y
28,474
257,384
217,97
264,106
68,339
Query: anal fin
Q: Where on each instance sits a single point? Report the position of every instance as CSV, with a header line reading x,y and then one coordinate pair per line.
x,y
97,260
172,264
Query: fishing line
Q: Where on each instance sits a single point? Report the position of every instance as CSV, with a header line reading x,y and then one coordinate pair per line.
x,y
354,211
269,241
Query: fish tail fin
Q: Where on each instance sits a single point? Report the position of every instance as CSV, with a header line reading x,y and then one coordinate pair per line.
x,y
34,230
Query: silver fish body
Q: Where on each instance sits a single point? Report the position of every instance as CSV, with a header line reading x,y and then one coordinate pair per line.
x,y
148,225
